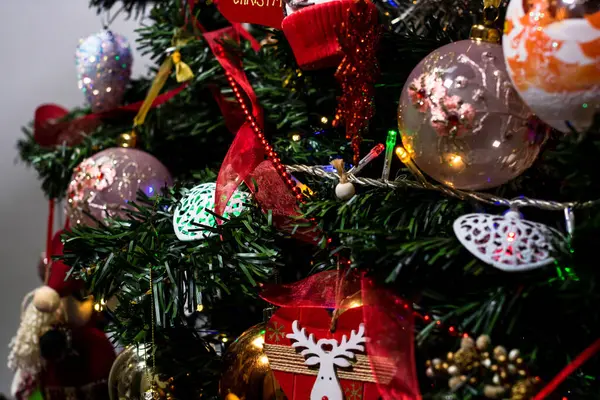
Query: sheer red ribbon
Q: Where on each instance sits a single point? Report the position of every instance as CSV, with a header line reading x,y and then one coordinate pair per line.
x,y
388,322
49,130
246,152
245,159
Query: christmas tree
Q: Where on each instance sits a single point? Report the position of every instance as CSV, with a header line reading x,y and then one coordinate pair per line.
x,y
343,200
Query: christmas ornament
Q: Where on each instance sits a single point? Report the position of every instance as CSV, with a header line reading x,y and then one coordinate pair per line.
x,y
311,362
104,184
247,372
501,372
193,217
103,62
129,378
552,51
507,241
312,27
343,190
461,120
356,74
77,354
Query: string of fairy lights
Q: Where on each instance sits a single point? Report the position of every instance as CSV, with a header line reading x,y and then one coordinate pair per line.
x,y
422,183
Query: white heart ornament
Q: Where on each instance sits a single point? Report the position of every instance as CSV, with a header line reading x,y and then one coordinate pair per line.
x,y
191,212
507,241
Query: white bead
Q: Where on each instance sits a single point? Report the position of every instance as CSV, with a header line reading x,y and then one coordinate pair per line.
x,y
487,363
496,379
453,370
436,362
429,372
345,191
514,354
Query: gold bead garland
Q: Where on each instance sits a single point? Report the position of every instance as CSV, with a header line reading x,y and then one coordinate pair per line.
x,y
502,373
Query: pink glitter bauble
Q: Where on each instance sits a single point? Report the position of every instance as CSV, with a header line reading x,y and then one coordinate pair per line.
x,y
461,120
104,184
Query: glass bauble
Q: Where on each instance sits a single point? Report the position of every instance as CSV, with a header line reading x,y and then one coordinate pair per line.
x,y
105,183
461,120
552,50
246,369
103,62
129,376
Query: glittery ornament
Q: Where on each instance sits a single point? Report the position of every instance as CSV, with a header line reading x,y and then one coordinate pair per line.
x,y
247,372
105,183
103,63
506,242
356,74
552,50
194,212
461,120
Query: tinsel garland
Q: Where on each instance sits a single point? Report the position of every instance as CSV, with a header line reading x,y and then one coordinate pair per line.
x,y
357,72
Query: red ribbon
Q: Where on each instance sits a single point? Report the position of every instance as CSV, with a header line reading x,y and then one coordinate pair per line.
x,y
568,370
50,130
388,323
246,151
244,162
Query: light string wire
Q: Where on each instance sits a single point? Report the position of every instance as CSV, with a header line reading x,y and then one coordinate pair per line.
x,y
515,203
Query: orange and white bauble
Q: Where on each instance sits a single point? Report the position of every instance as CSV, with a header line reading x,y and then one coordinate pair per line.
x,y
552,51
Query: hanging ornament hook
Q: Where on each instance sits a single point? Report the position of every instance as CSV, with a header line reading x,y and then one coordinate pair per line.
x,y
486,32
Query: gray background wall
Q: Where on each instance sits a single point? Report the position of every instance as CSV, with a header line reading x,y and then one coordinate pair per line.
x,y
36,66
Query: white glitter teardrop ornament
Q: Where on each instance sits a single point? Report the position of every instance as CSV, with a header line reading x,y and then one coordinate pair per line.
x,y
507,241
103,62
192,212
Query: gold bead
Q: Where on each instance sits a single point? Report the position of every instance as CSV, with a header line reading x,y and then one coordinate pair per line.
x,y
519,361
467,343
499,351
494,368
501,358
483,342
455,381
522,372
450,356
444,365
473,380
428,363
127,140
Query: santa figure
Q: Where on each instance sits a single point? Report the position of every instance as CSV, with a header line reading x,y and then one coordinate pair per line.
x,y
60,352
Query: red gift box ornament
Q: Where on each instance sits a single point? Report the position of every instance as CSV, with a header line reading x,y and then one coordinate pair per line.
x,y
327,386
361,351
312,363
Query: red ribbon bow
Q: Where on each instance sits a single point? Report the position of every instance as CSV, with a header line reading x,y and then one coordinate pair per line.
x,y
51,127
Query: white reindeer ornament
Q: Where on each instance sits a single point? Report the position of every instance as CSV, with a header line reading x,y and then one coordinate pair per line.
x,y
328,354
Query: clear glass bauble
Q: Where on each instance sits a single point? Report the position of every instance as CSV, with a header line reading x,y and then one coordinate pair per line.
x,y
461,120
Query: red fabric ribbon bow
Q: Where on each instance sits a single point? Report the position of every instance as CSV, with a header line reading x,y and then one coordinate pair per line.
x,y
51,128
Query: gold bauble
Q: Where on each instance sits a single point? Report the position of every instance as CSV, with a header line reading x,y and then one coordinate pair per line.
x,y
247,374
129,378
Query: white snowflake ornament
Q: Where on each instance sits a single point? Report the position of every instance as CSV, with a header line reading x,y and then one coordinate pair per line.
x,y
192,212
507,241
